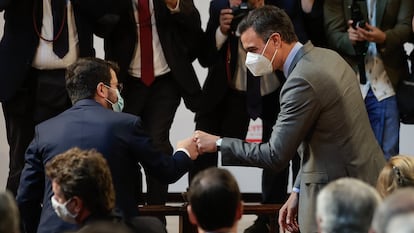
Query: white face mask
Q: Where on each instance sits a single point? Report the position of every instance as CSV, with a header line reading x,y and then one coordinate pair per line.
x,y
119,105
258,64
62,212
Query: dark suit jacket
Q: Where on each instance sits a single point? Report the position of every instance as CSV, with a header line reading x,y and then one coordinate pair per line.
x,y
20,41
322,111
118,136
393,17
180,35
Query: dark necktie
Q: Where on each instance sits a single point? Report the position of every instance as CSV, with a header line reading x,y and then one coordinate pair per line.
x,y
253,96
60,27
145,37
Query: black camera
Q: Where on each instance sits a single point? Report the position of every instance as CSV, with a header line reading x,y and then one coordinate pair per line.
x,y
360,47
239,12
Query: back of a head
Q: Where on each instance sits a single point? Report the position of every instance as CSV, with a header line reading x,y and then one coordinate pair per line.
x,y
346,205
84,75
84,173
397,173
9,214
214,197
400,202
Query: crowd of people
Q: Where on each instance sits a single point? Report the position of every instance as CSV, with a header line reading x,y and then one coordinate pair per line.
x,y
321,75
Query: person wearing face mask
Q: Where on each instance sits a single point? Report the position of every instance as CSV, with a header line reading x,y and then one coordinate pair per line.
x,y
91,123
83,193
232,95
321,112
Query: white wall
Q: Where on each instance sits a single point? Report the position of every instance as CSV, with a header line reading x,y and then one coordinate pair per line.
x,y
248,178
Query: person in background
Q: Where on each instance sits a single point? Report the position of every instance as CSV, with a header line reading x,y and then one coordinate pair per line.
x,y
83,192
346,205
397,173
214,201
154,43
95,121
9,213
398,203
40,39
313,100
371,35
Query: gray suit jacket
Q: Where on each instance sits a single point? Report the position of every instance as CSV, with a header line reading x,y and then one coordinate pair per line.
x,y
322,113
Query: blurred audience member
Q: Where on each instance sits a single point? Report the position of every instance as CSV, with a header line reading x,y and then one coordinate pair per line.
x,y
397,173
83,190
398,203
9,214
403,223
215,203
346,205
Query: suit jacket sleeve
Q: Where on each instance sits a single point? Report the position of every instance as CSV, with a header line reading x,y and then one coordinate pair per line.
x,y
166,168
300,109
336,27
397,26
31,188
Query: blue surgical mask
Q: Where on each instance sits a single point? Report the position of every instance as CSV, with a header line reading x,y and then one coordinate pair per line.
x,y
62,211
119,105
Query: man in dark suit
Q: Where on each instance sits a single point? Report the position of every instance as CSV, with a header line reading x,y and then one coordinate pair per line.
x,y
83,193
321,113
156,71
92,86
33,58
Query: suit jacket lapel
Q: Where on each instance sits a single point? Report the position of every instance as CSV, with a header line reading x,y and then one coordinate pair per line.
x,y
302,51
380,11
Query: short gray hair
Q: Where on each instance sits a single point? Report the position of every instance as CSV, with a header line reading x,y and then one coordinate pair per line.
x,y
9,221
401,201
346,205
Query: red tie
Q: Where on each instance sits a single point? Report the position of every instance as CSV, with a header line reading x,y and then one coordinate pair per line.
x,y
145,36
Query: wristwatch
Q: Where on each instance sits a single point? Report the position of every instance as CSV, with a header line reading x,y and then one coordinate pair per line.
x,y
218,143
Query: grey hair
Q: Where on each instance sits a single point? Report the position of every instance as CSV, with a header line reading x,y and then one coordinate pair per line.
x,y
346,205
9,220
401,201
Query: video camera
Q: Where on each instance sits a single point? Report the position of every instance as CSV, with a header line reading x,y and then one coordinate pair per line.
x,y
239,12
360,47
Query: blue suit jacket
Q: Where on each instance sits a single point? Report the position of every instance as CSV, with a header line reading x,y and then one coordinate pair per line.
x,y
118,136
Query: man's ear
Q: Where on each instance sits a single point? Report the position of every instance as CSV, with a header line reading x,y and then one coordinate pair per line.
x,y
191,215
239,211
100,90
78,204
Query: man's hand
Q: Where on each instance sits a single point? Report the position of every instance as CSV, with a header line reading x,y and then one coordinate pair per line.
x,y
372,34
190,145
226,16
205,142
288,214
353,33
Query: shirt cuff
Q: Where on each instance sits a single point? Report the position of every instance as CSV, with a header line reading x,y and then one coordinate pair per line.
x,y
185,151
295,189
220,38
176,9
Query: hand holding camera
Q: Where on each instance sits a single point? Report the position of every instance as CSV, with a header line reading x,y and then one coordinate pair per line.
x,y
231,17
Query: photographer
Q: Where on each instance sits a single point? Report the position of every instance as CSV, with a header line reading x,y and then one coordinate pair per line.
x,y
386,28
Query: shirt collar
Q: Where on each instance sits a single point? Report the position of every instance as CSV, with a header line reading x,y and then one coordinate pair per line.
x,y
290,57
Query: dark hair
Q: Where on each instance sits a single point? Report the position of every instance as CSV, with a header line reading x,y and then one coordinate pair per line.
x,y
267,20
84,173
83,76
214,197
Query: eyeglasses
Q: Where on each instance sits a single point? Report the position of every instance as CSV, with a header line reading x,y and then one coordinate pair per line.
x,y
119,86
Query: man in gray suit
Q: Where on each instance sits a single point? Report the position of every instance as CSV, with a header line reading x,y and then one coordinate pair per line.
x,y
321,113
